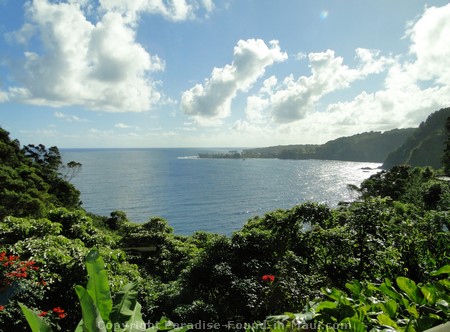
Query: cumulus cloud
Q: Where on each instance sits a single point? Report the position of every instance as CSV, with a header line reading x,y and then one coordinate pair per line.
x,y
210,102
430,37
174,10
98,65
293,99
413,87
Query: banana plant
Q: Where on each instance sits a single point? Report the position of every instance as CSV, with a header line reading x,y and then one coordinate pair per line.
x,y
100,311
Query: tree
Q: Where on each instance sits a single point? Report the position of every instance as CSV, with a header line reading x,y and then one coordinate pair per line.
x,y
70,170
446,155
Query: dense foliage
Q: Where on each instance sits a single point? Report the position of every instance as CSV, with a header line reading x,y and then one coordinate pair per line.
x,y
446,154
425,146
368,146
281,262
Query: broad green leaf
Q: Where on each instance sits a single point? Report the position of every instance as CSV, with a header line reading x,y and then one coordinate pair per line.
x,y
404,301
413,311
352,325
443,270
136,323
372,287
442,303
346,311
98,285
326,305
384,319
355,287
92,320
410,326
283,317
388,282
333,293
37,324
79,327
124,304
303,317
444,283
390,308
165,324
429,292
362,311
410,288
389,291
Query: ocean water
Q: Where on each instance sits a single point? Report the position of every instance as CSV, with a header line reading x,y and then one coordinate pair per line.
x,y
214,195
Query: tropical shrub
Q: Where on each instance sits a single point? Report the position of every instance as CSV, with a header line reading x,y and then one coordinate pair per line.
x,y
388,306
100,311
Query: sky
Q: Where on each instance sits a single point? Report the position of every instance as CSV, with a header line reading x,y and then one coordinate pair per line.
x,y
218,73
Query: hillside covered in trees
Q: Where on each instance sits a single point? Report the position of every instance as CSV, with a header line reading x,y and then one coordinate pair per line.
x,y
422,146
380,262
425,146
369,147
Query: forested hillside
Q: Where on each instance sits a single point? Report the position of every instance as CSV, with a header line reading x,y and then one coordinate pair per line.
x,y
369,147
425,146
379,262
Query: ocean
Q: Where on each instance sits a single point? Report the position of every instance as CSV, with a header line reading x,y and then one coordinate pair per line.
x,y
213,195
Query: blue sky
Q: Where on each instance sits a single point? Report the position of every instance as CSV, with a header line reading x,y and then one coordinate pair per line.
x,y
210,73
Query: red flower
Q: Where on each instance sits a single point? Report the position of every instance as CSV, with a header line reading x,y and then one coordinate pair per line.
x,y
2,307
58,310
62,316
268,278
43,313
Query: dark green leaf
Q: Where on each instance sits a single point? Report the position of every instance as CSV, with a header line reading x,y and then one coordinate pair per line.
x,y
389,291
410,288
124,304
326,305
384,319
390,308
355,287
98,285
429,292
443,270
37,324
352,325
92,320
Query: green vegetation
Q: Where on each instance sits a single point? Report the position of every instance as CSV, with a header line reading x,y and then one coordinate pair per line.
x,y
446,155
399,306
101,311
380,262
425,146
370,147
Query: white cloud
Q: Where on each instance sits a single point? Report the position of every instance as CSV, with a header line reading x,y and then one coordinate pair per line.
x,y
430,37
121,125
23,35
100,66
414,85
3,97
68,118
413,88
211,102
174,10
293,99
